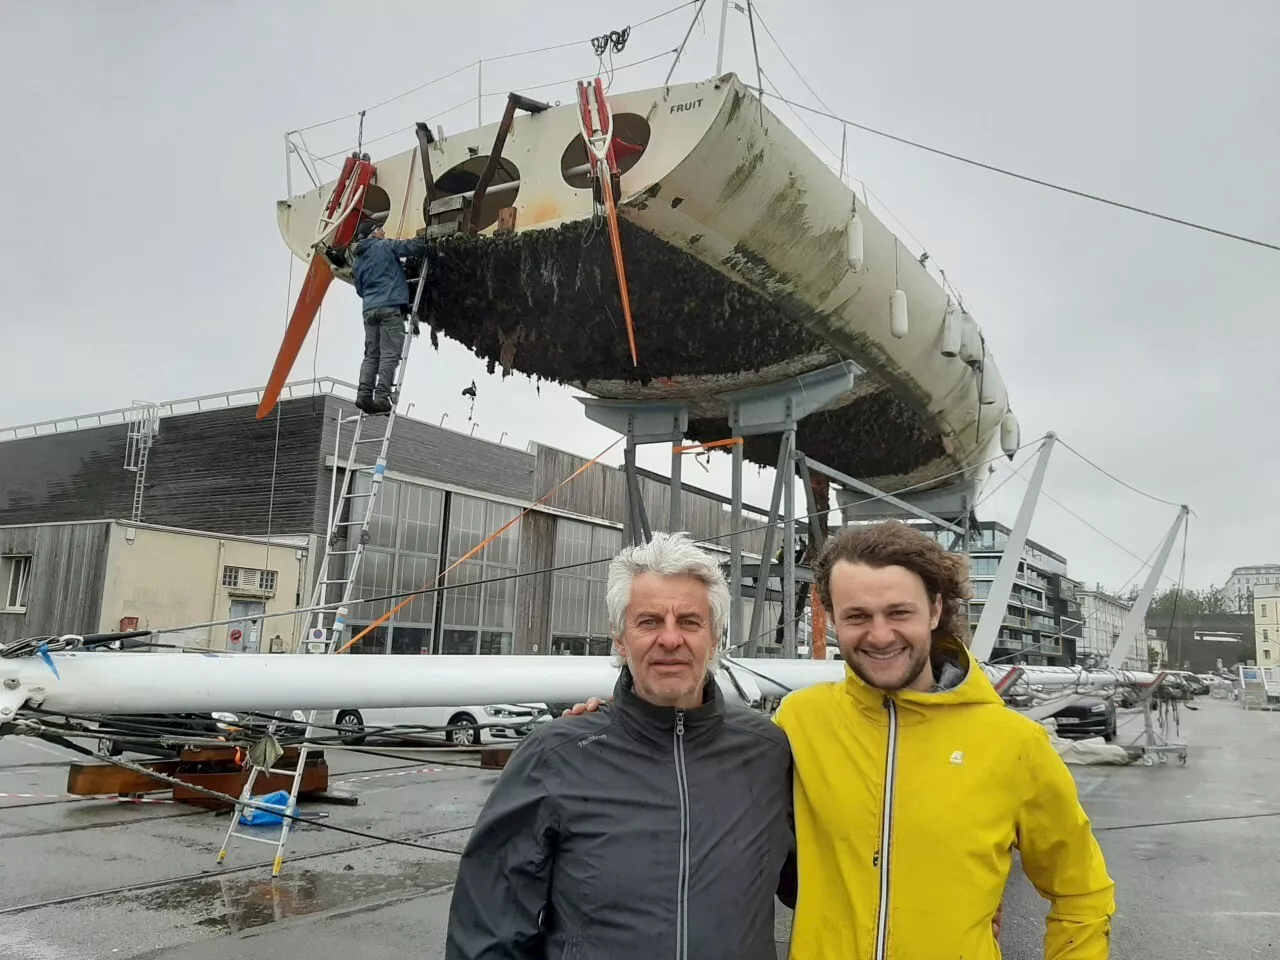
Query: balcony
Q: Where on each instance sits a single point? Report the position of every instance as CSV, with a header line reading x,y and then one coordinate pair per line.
x,y
1028,600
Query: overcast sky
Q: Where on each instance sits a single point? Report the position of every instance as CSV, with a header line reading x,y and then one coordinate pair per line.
x,y
144,155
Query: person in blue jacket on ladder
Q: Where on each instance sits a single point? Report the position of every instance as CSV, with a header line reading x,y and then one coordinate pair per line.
x,y
383,288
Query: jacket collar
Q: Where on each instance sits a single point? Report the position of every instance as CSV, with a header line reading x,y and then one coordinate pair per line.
x,y
963,682
658,723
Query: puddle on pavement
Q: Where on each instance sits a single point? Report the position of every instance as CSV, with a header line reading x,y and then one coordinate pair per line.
x,y
242,902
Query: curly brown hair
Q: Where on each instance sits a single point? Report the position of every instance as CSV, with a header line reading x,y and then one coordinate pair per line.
x,y
891,544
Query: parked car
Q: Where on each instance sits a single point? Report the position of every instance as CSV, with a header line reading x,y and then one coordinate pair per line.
x,y
1175,687
1196,685
467,726
138,733
1088,717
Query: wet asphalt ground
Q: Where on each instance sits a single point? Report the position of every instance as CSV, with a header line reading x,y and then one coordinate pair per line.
x,y
99,880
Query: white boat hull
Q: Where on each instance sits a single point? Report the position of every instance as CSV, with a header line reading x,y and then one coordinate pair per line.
x,y
736,247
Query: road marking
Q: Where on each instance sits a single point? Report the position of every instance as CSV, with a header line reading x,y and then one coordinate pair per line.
x,y
47,749
72,796
395,773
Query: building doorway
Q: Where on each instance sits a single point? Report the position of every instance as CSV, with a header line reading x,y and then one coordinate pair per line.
x,y
244,635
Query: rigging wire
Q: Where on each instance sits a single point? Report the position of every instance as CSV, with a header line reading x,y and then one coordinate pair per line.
x,y
1112,476
688,33
505,56
472,99
996,489
275,450
866,190
755,52
247,804
1003,171
793,67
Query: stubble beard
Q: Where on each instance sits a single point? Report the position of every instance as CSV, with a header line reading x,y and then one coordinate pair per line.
x,y
914,668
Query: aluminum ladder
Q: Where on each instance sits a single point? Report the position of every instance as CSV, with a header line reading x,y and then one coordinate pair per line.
x,y
329,625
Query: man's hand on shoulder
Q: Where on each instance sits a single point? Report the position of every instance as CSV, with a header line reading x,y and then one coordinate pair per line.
x,y
591,706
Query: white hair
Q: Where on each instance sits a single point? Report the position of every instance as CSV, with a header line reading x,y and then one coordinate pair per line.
x,y
667,555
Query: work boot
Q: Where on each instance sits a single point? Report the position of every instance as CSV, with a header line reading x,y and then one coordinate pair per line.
x,y
380,403
364,401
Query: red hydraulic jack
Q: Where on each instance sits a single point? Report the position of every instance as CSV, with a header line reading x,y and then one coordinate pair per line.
x,y
596,121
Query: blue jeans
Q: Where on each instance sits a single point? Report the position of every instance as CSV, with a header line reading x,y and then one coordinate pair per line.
x,y
383,343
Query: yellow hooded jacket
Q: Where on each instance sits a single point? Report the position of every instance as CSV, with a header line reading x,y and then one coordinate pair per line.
x,y
908,807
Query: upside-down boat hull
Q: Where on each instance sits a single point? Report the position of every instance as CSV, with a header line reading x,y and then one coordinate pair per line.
x,y
736,243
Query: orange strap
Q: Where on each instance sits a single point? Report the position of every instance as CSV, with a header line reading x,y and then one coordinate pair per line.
x,y
615,240
478,547
731,442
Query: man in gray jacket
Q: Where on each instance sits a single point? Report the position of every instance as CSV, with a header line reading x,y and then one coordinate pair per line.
x,y
656,827
383,288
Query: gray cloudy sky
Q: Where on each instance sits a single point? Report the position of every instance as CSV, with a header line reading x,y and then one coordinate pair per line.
x,y
144,156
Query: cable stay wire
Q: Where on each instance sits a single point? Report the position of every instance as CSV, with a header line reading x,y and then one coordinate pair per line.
x,y
468,66
1146,563
867,192
254,804
1004,171
1122,483
326,158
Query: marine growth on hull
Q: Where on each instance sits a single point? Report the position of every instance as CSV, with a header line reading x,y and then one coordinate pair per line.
x,y
545,303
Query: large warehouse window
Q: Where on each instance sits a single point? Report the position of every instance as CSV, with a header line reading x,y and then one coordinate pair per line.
x,y
579,619
403,554
480,618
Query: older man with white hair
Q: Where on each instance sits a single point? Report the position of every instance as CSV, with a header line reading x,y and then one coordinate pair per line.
x,y
655,827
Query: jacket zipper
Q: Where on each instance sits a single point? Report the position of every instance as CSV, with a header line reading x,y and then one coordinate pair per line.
x,y
682,882
886,830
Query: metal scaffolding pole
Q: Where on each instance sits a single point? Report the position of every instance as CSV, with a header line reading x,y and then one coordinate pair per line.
x,y
641,422
735,550
1135,620
993,613
776,409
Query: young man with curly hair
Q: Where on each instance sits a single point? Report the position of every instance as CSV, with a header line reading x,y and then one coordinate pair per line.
x,y
914,783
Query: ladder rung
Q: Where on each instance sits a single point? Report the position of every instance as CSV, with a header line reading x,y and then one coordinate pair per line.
x,y
347,580
349,523
342,553
352,496
352,419
370,439
283,773
245,836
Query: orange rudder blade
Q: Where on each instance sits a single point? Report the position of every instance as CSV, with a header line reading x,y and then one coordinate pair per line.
x,y
615,239
319,276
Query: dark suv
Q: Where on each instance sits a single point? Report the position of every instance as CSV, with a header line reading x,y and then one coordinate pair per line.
x,y
1089,717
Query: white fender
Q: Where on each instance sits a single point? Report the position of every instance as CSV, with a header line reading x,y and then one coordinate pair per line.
x,y
993,390
855,243
970,339
952,331
898,314
1010,435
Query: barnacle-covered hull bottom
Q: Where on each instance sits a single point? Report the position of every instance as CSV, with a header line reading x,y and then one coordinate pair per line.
x,y
545,303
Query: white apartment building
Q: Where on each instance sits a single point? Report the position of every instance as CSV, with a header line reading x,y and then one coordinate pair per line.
x,y
1266,623
1103,619
1244,582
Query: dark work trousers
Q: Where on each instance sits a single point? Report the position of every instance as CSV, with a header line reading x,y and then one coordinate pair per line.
x,y
383,341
